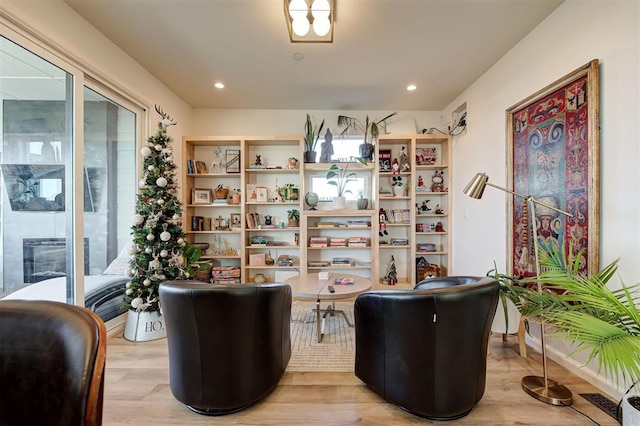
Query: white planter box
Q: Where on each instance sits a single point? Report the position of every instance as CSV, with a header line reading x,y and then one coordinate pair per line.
x,y
630,416
144,326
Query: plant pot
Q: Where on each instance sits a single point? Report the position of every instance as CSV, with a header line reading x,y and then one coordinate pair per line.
x,y
292,164
293,223
259,278
144,326
366,151
398,191
309,156
235,199
363,203
631,410
339,203
221,194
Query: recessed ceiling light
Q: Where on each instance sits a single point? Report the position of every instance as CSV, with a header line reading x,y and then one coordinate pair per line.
x,y
298,56
411,87
219,85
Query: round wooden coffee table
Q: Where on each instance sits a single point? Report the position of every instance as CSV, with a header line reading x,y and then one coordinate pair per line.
x,y
310,286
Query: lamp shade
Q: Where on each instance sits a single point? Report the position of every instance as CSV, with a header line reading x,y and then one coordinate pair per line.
x,y
476,187
310,21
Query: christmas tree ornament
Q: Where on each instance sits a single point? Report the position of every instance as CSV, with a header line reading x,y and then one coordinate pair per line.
x,y
151,168
142,184
151,237
165,236
137,302
161,182
146,282
169,158
160,201
180,241
148,250
158,147
131,250
175,217
128,292
138,219
164,253
145,151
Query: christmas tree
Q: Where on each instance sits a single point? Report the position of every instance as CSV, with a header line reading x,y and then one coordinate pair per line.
x,y
158,238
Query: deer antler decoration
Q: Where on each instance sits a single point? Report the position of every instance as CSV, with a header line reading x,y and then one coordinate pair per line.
x,y
166,119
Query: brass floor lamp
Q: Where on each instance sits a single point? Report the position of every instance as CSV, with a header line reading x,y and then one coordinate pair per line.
x,y
541,388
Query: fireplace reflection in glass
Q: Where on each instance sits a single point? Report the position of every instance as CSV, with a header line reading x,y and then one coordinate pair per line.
x,y
45,258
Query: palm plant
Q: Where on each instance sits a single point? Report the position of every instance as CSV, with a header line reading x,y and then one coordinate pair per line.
x,y
340,177
368,128
584,310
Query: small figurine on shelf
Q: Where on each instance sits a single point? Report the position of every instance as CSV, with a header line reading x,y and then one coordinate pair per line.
x,y
382,219
216,164
439,209
258,160
395,167
268,260
392,274
404,161
424,207
267,220
438,181
420,182
439,227
326,148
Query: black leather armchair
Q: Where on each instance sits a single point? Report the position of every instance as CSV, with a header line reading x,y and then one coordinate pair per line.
x,y
229,345
426,349
52,359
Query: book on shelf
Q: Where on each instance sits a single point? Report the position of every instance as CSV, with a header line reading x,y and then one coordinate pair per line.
x,y
317,263
258,240
285,260
326,225
343,281
318,241
399,241
357,242
190,167
276,243
337,242
426,247
341,261
358,223
384,160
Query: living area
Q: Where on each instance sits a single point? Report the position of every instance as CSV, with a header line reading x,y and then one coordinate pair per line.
x,y
137,376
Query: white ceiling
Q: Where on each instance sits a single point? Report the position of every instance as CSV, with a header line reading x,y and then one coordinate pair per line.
x,y
379,47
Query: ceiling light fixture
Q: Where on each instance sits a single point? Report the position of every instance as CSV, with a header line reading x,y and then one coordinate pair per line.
x,y
411,87
310,21
219,85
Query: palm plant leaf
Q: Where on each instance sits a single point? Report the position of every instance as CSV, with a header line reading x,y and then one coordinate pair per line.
x,y
604,322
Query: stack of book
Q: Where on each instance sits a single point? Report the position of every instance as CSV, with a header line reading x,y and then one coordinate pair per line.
x,y
343,281
318,242
258,241
399,241
317,263
341,261
285,260
358,223
337,242
225,275
357,241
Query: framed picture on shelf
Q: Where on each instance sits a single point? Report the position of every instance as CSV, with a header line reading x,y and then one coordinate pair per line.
x,y
426,156
384,160
553,156
235,220
201,167
200,196
233,160
262,194
252,195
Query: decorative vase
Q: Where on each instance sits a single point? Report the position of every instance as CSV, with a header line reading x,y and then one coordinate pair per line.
x,y
292,164
339,203
259,278
235,199
363,203
366,151
309,156
398,191
268,259
144,326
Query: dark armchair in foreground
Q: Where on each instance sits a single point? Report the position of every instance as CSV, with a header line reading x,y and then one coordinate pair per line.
x,y
426,349
52,359
229,345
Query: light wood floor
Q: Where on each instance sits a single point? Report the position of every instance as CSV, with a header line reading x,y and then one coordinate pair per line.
x,y
137,393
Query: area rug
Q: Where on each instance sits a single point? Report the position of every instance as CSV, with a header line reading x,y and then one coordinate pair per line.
x,y
337,350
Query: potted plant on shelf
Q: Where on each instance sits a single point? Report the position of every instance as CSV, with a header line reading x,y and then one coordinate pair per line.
x,y
340,178
294,218
311,136
363,202
604,322
397,186
292,163
370,129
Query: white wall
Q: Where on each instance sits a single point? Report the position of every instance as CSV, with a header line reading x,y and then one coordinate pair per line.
x,y
577,32
291,122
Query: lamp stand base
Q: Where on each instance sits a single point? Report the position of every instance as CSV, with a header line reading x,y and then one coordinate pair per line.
x,y
554,394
